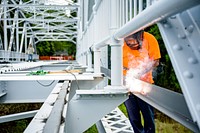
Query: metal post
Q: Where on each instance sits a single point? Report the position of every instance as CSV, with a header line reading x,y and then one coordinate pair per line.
x,y
5,26
148,3
89,56
97,61
123,13
135,7
116,47
114,13
140,6
131,9
22,38
126,13
17,32
96,50
116,64
25,37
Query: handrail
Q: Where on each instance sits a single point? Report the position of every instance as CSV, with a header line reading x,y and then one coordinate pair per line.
x,y
101,43
95,8
139,22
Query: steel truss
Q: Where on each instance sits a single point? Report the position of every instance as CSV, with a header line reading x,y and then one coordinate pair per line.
x,y
70,102
34,21
179,25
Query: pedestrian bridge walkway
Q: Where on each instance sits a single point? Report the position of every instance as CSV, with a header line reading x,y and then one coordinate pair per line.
x,y
62,91
97,28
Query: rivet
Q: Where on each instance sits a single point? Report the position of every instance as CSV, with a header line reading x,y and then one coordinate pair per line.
x,y
192,60
190,28
181,36
173,17
177,47
188,74
198,107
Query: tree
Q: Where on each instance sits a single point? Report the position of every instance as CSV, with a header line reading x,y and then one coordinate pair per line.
x,y
166,78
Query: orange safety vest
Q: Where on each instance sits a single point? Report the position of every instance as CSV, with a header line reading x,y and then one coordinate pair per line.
x,y
131,58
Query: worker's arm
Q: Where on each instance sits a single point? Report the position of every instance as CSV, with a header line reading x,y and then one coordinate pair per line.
x,y
150,66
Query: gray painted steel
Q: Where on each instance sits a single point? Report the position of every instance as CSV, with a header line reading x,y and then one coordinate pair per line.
x,y
181,36
180,33
35,91
52,26
89,106
55,118
139,23
18,116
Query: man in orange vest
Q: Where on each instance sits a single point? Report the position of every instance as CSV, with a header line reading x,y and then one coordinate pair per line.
x,y
141,53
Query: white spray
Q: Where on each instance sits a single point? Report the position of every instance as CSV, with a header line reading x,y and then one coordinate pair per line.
x,y
137,72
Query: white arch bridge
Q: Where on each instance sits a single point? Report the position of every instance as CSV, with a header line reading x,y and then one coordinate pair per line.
x,y
76,99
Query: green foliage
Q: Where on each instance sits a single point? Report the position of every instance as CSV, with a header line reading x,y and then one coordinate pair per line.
x,y
14,126
6,109
122,107
92,129
20,125
45,48
50,48
167,77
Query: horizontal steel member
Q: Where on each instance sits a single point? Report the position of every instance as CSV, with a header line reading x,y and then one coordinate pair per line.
x,y
67,76
40,20
39,6
18,116
169,8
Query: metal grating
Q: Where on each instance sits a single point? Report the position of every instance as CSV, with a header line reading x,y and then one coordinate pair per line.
x,y
116,122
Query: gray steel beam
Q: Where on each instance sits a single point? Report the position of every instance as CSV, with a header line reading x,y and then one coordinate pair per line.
x,y
3,90
169,8
38,122
18,116
27,91
171,103
100,127
163,100
181,36
5,26
40,20
55,118
83,85
40,6
80,116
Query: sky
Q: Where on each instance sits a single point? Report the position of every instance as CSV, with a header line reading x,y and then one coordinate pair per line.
x,y
58,2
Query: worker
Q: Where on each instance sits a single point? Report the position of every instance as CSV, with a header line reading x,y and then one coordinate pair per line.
x,y
141,53
30,52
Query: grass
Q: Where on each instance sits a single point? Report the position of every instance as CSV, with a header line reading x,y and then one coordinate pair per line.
x,y
163,123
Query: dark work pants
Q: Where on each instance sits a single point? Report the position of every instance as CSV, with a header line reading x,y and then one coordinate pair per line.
x,y
30,57
134,105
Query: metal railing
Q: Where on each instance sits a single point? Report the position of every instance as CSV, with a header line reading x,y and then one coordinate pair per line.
x,y
12,56
124,17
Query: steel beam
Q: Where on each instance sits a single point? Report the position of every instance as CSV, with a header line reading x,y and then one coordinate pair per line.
x,y
27,91
18,116
80,116
40,20
181,36
139,23
41,6
40,119
171,103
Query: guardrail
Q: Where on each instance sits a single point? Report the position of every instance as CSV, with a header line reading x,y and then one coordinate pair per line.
x,y
12,56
